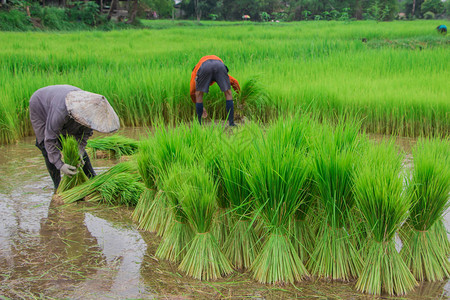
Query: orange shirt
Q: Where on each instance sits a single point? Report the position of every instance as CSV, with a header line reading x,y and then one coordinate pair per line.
x,y
234,83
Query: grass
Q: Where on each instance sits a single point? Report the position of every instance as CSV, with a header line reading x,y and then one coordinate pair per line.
x,y
176,239
277,177
334,161
204,259
116,145
429,187
71,157
321,66
380,198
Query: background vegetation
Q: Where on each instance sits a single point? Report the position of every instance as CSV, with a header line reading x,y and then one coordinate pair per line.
x,y
394,76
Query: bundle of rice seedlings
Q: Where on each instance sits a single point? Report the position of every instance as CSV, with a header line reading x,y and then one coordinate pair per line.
x,y
156,155
71,157
380,198
303,236
242,245
116,145
441,235
93,184
277,177
179,234
204,259
334,255
429,188
119,189
252,100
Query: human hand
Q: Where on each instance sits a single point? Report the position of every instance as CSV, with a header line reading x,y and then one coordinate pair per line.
x,y
68,170
205,113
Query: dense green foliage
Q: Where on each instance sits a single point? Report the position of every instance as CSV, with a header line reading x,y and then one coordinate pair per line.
x,y
396,82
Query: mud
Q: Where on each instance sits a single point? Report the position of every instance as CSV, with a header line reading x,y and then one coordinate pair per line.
x,y
81,251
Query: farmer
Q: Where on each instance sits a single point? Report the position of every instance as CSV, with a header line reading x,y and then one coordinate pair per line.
x,y
442,29
67,110
208,70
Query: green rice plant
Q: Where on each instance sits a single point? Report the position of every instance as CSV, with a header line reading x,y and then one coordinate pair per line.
x,y
381,200
89,187
242,244
303,237
179,234
71,157
156,155
442,235
253,100
429,189
116,145
334,158
277,177
204,259
119,189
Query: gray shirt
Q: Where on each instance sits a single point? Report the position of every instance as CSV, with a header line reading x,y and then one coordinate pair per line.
x,y
50,119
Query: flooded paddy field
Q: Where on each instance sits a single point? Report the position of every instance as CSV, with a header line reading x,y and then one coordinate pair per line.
x,y
85,251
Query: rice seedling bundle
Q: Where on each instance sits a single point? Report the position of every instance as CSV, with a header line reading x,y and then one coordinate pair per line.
x,y
425,250
119,189
117,145
303,237
93,184
71,157
253,99
334,255
277,176
179,234
204,259
155,157
295,131
242,245
380,198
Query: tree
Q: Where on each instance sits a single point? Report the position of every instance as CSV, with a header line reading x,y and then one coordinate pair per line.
x,y
435,6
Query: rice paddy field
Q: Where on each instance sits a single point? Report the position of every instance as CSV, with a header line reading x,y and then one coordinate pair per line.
x,y
310,196
396,80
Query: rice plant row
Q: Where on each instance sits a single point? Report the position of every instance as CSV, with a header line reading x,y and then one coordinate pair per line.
x,y
396,82
292,200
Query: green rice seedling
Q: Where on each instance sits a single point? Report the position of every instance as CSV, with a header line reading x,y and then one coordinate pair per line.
x,y
242,245
441,234
429,188
119,189
303,237
90,186
71,157
381,200
155,157
204,259
253,100
277,177
116,145
334,158
179,235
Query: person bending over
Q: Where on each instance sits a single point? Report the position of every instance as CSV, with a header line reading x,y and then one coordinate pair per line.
x,y
208,70
67,110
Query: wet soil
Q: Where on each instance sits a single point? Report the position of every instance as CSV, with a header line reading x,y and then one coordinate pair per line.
x,y
85,251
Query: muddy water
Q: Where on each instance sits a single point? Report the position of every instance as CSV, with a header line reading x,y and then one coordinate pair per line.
x,y
83,251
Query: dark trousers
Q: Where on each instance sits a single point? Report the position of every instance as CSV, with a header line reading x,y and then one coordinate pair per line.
x,y
55,174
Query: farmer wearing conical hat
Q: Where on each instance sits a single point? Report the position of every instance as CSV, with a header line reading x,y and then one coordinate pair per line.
x,y
208,70
67,110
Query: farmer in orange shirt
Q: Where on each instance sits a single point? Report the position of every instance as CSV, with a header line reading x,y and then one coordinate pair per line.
x,y
208,70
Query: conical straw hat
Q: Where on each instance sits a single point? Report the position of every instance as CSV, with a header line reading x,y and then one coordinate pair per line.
x,y
93,111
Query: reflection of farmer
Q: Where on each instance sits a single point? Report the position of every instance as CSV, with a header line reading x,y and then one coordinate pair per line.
x,y
442,29
208,70
67,110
